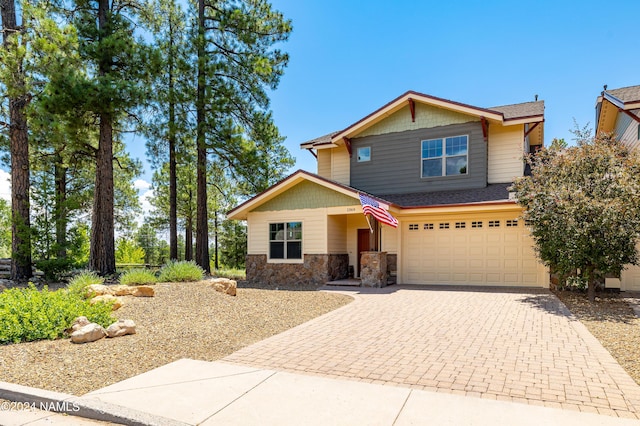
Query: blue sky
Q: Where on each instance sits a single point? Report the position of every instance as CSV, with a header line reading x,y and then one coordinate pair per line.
x,y
348,58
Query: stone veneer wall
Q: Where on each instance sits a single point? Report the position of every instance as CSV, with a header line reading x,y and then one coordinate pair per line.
x,y
316,269
392,268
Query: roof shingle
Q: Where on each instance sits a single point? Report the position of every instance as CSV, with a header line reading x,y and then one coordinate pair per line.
x,y
492,192
526,109
626,94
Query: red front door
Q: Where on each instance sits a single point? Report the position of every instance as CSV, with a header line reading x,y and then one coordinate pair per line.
x,y
364,243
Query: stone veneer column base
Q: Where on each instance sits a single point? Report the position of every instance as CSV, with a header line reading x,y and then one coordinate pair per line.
x,y
373,269
316,269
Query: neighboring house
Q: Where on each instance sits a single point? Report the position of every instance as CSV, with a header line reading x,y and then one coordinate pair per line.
x,y
618,112
443,168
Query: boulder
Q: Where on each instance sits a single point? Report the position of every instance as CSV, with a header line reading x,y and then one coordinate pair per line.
x,y
225,285
105,298
122,290
97,290
143,291
88,333
78,323
121,328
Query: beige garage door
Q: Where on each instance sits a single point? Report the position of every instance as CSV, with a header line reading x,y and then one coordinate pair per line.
x,y
469,251
630,279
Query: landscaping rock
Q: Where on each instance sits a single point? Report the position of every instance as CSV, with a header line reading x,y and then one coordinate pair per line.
x,y
143,291
78,323
121,328
88,333
225,285
122,290
117,302
97,290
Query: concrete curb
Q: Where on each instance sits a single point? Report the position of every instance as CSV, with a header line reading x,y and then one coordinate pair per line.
x,y
82,407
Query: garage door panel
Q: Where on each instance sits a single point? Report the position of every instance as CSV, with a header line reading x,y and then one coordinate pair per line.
x,y
470,256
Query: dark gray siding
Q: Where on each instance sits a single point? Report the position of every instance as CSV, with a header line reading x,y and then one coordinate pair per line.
x,y
395,165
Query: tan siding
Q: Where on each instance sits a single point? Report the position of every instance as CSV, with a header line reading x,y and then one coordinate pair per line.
x,y
390,239
324,163
306,195
505,152
340,164
337,234
314,225
426,117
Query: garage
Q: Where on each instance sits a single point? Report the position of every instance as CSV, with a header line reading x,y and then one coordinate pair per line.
x,y
469,250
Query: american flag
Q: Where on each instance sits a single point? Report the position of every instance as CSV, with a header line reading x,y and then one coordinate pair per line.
x,y
372,207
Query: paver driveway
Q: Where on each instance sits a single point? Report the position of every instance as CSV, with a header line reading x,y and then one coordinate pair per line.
x,y
505,344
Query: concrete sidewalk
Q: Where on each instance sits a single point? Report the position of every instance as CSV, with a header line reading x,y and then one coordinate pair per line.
x,y
189,392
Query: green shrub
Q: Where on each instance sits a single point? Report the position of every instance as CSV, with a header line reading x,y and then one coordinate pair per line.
x,y
27,314
180,272
81,281
53,268
232,274
138,277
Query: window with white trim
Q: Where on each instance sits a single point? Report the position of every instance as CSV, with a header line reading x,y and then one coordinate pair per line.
x,y
413,227
461,225
428,226
444,225
476,224
512,223
445,157
364,154
285,240
494,224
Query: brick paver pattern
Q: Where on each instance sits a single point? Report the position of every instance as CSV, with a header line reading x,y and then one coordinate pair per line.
x,y
503,344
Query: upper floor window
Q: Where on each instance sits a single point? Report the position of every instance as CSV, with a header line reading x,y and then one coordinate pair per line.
x,y
364,154
285,240
445,157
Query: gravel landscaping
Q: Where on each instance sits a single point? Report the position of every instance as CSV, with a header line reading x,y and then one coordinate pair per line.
x,y
183,320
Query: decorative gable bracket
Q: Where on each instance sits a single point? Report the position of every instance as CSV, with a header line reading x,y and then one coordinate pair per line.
x,y
347,144
531,129
485,128
412,108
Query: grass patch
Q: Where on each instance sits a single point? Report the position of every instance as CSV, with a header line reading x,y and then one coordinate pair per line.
x,y
180,272
80,282
232,274
138,277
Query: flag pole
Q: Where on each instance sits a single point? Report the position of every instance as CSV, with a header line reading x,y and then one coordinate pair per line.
x,y
366,216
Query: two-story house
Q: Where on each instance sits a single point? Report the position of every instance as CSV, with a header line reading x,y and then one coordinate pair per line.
x,y
618,112
441,167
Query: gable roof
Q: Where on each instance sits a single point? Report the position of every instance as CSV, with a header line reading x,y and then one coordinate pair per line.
x,y
611,102
522,113
240,212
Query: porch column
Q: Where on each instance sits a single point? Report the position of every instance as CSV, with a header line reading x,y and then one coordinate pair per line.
x,y
373,271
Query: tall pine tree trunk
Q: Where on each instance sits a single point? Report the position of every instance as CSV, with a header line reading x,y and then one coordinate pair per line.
x,y
202,222
60,208
102,256
188,228
19,149
173,191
